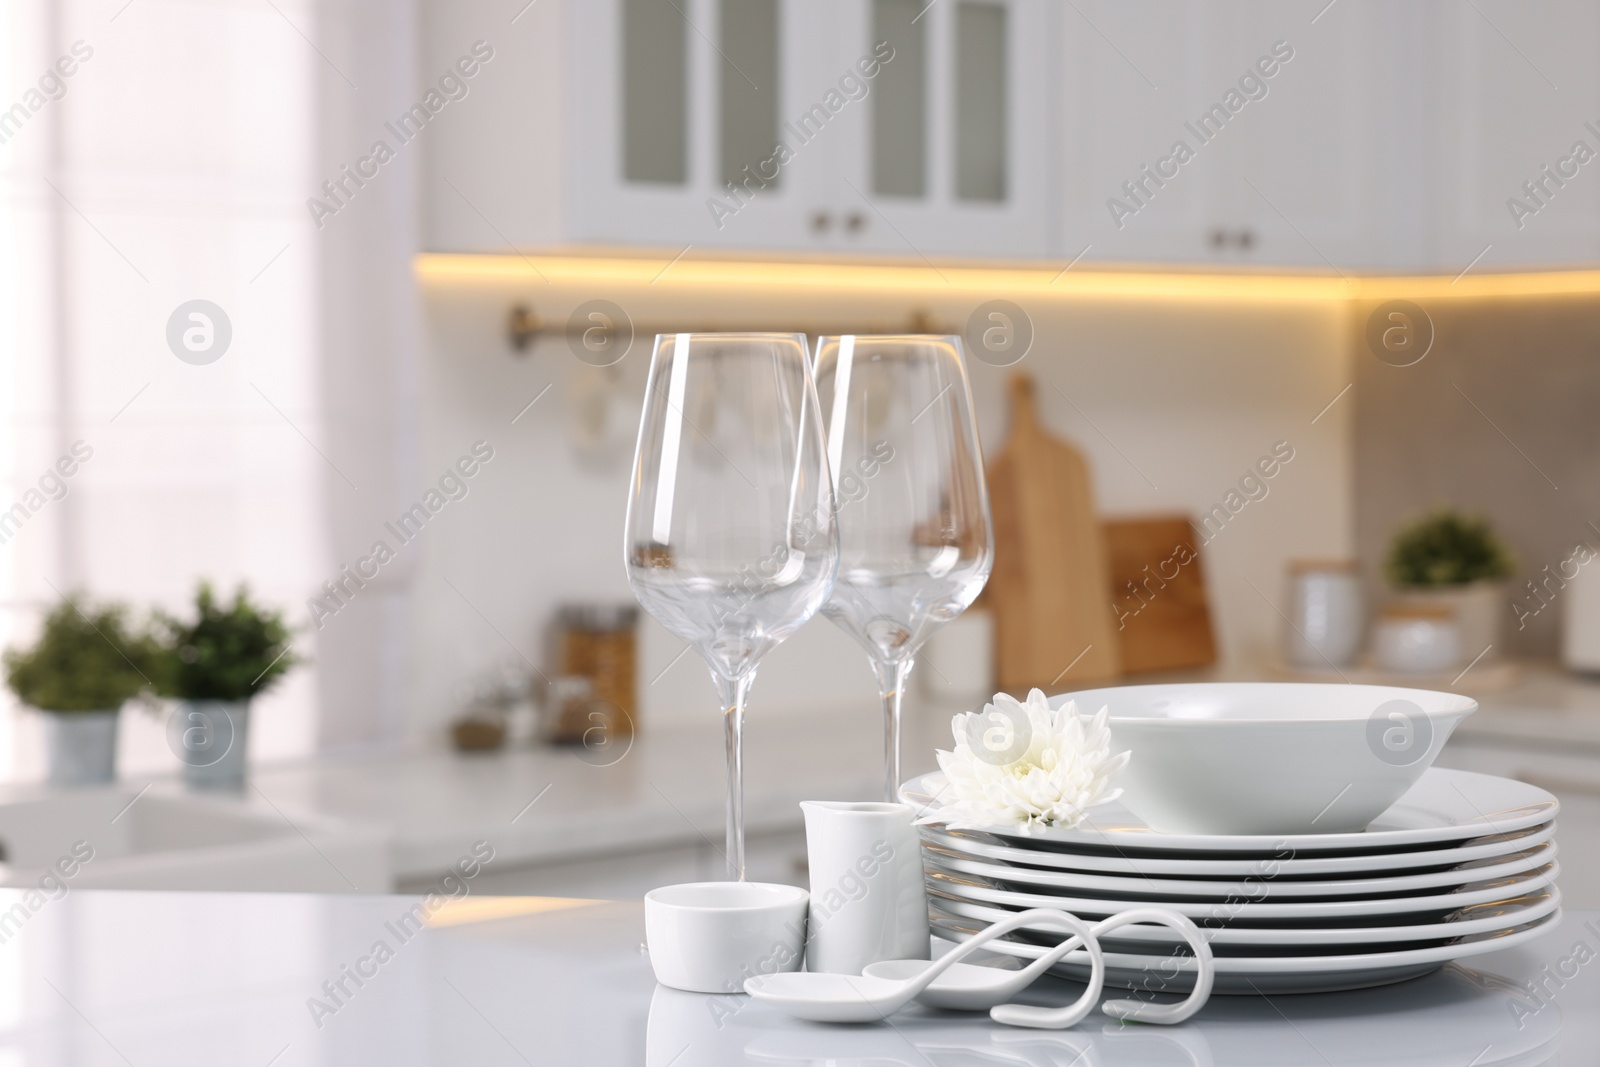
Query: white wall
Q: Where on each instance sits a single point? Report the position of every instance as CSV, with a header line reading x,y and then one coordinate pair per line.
x,y
1175,399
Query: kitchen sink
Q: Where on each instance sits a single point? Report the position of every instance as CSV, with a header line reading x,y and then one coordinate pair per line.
x,y
164,838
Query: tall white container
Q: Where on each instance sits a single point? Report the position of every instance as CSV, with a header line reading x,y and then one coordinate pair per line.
x,y
867,898
1580,620
1326,614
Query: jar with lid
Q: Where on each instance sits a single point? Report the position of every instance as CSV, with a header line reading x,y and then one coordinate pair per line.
x,y
1326,615
597,644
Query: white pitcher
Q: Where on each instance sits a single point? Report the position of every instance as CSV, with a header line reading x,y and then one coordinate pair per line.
x,y
867,898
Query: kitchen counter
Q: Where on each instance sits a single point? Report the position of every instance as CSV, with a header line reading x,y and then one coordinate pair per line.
x,y
1547,707
540,805
537,804
617,819
173,978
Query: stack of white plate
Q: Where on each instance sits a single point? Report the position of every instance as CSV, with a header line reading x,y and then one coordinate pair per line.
x,y
1463,864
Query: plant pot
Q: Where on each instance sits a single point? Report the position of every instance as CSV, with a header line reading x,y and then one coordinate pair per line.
x,y
1417,639
81,746
212,738
1478,608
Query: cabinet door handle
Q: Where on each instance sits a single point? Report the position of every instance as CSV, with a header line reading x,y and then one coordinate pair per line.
x,y
1559,783
820,222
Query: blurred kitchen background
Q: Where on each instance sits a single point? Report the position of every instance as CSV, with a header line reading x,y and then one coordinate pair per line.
x,y
436,236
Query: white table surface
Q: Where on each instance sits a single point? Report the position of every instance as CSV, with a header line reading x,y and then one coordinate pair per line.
x,y
221,979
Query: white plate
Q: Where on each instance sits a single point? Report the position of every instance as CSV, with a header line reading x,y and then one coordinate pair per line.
x,y
986,847
967,888
1444,805
1271,974
1265,886
1479,919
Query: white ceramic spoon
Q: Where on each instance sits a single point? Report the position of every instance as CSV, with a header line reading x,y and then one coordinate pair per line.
x,y
1145,1011
971,987
951,990
851,998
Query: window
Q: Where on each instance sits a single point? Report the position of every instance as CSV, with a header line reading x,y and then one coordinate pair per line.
x,y
171,165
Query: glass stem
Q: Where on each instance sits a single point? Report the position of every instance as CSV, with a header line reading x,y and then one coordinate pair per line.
x,y
891,687
733,695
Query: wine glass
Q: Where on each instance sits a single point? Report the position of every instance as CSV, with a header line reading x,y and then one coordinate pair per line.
x,y
916,543
731,542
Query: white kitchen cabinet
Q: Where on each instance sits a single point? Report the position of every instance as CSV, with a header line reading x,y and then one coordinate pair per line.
x,y
666,85
1518,89
956,149
1129,68
1221,134
1572,773
886,126
831,125
1299,175
1391,141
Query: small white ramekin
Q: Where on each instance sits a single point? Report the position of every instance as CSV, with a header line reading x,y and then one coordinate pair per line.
x,y
708,937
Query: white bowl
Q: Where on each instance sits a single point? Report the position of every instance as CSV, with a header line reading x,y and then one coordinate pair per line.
x,y
708,937
1271,758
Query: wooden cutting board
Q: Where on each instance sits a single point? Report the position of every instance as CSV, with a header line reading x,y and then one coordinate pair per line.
x,y
1158,594
1053,623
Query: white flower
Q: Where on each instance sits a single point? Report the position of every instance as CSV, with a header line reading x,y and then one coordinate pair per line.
x,y
1024,767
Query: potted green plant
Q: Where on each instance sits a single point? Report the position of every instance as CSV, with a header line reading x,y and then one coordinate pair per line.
x,y
214,664
1447,559
87,662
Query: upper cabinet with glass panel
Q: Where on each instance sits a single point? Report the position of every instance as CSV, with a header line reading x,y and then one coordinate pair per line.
x,y
885,126
959,140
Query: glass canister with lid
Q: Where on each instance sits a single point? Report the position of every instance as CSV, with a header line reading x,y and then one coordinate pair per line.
x,y
595,644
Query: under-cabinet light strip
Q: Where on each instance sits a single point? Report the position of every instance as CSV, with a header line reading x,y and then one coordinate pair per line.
x,y
1044,281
